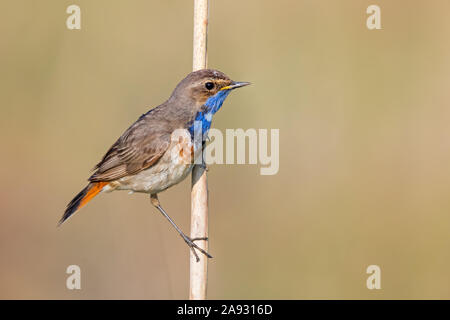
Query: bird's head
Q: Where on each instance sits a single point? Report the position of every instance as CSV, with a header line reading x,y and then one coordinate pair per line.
x,y
206,87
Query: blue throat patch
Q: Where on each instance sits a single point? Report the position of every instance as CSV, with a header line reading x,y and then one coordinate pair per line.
x,y
204,118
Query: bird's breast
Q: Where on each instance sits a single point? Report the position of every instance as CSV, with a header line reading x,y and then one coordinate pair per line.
x,y
201,125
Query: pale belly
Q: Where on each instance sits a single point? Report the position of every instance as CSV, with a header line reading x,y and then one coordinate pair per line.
x,y
173,167
155,181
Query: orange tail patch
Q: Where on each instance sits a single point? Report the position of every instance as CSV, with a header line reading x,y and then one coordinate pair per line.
x,y
82,198
96,188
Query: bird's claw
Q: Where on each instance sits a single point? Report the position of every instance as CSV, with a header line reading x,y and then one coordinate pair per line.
x,y
193,246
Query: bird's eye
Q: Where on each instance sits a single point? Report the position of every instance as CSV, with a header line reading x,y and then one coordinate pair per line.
x,y
209,85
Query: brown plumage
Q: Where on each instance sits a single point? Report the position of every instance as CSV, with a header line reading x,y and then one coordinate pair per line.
x,y
142,160
142,144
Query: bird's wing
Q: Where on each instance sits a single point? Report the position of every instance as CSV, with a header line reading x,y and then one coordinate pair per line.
x,y
141,146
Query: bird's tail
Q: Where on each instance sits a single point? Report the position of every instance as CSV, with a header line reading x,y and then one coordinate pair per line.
x,y
85,195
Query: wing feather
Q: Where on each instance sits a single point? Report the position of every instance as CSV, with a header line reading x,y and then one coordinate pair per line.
x,y
139,147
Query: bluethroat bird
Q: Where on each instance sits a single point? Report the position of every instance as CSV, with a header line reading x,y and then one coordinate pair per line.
x,y
158,150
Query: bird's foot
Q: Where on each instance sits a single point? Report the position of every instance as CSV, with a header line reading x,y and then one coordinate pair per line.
x,y
190,242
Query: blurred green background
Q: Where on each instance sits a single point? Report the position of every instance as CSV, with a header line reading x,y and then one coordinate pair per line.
x,y
364,149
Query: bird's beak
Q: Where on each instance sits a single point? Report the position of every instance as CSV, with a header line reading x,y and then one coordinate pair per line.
x,y
234,85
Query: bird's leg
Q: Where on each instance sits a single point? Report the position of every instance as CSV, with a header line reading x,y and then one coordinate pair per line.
x,y
190,241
